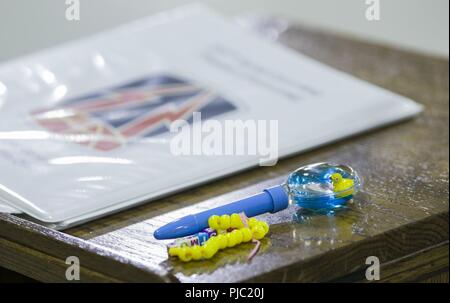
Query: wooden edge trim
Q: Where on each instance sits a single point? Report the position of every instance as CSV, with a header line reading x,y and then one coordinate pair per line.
x,y
92,256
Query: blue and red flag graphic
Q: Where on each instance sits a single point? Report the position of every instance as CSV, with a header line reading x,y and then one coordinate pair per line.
x,y
116,116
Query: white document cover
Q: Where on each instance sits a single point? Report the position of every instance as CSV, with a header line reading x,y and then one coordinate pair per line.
x,y
129,83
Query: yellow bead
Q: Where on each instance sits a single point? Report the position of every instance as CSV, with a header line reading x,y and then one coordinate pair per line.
x,y
246,234
265,226
213,222
213,241
238,236
174,251
209,250
232,241
185,254
252,222
196,252
222,241
236,221
258,232
225,222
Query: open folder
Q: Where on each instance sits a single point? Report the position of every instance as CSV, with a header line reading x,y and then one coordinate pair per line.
x,y
87,128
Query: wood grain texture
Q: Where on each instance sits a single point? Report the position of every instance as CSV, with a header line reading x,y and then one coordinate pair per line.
x,y
402,210
423,266
40,253
9,276
426,265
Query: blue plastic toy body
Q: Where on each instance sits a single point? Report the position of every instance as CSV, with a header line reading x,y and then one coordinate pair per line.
x,y
272,199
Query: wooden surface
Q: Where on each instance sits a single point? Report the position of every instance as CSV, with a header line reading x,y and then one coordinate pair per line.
x,y
401,216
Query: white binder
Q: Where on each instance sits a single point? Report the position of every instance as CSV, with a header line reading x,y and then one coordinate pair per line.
x,y
51,175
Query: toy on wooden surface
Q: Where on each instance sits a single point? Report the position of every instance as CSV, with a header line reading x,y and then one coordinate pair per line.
x,y
229,232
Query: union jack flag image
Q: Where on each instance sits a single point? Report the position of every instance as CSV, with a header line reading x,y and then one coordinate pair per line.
x,y
112,118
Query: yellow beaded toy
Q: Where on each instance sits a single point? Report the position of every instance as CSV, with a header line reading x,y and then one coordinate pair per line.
x,y
242,230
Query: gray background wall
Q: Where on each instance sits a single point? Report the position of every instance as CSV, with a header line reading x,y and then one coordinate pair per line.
x,y
420,25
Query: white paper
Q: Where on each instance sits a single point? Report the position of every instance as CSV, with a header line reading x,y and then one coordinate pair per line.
x,y
55,179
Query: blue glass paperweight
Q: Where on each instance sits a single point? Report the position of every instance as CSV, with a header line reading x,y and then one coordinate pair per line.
x,y
322,186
